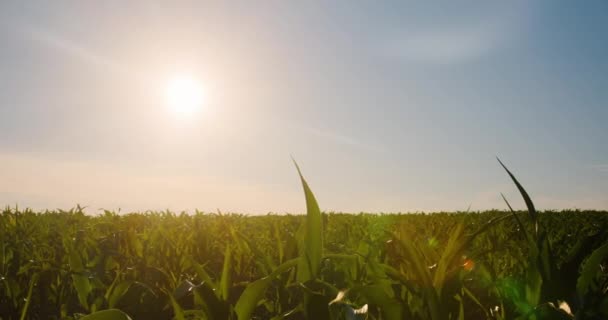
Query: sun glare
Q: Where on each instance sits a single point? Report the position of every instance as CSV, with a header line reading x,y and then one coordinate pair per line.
x,y
184,95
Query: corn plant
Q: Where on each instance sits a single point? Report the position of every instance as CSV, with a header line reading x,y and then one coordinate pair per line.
x,y
547,284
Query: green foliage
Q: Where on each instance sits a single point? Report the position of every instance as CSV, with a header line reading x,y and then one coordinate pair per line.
x,y
546,283
255,290
311,247
441,266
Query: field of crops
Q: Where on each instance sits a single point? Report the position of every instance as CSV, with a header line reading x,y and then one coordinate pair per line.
x,y
161,265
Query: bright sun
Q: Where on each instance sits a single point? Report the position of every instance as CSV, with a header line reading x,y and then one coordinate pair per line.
x,y
184,95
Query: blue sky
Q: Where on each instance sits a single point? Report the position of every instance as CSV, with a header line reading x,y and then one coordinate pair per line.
x,y
387,107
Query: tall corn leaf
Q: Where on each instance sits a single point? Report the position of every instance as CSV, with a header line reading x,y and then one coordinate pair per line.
x,y
225,278
311,253
529,204
534,267
534,280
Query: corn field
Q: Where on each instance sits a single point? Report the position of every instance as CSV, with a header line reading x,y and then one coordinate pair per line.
x,y
441,266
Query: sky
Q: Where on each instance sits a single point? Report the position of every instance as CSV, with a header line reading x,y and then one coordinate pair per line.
x,y
387,106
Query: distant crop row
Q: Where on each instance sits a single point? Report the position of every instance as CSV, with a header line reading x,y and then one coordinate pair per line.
x,y
441,266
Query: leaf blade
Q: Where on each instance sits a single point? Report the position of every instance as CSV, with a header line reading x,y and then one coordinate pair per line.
x,y
312,251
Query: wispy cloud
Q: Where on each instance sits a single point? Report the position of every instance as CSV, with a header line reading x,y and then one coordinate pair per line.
x,y
440,42
67,46
79,51
442,46
327,134
343,139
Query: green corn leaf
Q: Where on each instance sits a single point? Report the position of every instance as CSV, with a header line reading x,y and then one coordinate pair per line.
x,y
312,251
250,297
254,292
112,285
578,253
80,280
118,292
279,243
203,275
527,235
225,278
110,314
460,307
177,309
524,194
29,296
534,280
589,271
552,282
206,299
540,259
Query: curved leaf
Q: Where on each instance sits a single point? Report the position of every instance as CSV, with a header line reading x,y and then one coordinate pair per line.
x,y
312,251
524,194
254,292
589,270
